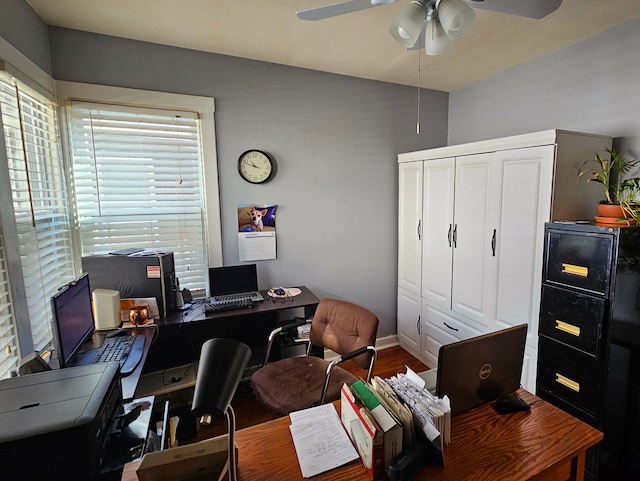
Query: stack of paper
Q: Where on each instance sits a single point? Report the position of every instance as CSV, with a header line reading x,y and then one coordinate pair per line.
x,y
303,331
430,413
320,441
401,411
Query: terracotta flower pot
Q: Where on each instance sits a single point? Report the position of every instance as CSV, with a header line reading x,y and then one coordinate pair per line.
x,y
610,210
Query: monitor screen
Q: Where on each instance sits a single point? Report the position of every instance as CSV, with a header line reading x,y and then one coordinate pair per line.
x,y
72,318
233,279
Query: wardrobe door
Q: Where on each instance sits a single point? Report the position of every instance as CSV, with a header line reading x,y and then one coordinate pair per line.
x,y
410,226
437,243
525,206
477,195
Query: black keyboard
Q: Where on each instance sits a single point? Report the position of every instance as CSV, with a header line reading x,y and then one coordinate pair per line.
x,y
228,305
127,350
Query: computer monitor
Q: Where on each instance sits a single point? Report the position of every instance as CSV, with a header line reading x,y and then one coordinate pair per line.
x,y
232,279
72,318
481,369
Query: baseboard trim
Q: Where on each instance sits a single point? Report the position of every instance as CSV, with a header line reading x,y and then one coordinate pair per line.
x,y
381,343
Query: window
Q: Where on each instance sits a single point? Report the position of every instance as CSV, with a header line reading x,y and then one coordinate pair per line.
x,y
138,182
10,353
39,202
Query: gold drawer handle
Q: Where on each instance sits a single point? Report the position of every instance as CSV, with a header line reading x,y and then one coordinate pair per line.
x,y
576,270
565,381
568,328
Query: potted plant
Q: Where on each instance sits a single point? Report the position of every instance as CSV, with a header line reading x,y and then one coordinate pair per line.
x,y
610,173
630,199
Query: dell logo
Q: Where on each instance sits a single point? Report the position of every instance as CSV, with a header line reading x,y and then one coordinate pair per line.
x,y
485,371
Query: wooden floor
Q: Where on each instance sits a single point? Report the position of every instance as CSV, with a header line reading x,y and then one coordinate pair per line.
x,y
249,411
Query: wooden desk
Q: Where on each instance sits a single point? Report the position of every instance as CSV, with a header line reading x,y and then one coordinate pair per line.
x,y
544,444
306,299
182,334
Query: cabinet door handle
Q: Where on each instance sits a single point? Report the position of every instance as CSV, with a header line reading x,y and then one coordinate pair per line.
x,y
449,234
455,236
418,326
493,243
452,328
419,229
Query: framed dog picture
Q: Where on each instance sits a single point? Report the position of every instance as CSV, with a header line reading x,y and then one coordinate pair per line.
x,y
256,232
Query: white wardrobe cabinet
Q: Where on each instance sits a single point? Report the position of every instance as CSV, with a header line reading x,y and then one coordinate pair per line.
x,y
470,236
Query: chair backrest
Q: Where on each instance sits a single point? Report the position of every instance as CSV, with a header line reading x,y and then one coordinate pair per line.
x,y
344,327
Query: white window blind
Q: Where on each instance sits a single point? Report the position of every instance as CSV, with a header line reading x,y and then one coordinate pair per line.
x,y
138,183
39,199
10,354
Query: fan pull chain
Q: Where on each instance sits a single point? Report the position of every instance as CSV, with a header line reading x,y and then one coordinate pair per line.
x,y
418,109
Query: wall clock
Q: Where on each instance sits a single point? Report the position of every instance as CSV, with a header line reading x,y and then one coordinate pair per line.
x,y
255,166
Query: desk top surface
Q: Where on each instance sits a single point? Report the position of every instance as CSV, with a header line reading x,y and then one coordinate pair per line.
x,y
197,313
484,446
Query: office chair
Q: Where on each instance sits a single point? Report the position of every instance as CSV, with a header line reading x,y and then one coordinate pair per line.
x,y
297,383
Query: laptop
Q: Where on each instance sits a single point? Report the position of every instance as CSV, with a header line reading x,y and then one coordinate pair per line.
x,y
481,369
232,283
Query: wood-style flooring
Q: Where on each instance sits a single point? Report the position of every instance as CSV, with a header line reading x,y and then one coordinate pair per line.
x,y
250,411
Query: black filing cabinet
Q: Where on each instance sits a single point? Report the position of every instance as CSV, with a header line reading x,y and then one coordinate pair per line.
x,y
589,338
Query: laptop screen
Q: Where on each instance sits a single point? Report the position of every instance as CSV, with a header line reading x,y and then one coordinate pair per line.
x,y
481,369
72,318
232,279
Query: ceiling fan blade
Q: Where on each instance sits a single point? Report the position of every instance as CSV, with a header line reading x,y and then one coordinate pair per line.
x,y
523,8
336,9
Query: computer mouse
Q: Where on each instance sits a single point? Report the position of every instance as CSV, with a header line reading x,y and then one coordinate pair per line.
x,y
511,404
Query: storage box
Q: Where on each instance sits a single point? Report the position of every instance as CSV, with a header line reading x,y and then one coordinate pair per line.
x,y
364,432
203,460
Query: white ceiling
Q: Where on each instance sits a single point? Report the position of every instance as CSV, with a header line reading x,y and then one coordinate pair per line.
x,y
357,44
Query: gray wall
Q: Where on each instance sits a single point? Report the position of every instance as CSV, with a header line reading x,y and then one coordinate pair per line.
x,y
592,86
25,30
335,141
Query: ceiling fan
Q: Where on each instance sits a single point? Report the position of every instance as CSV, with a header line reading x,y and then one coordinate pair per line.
x,y
440,21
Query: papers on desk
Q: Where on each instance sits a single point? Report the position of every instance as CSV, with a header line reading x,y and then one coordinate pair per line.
x,y
321,442
431,414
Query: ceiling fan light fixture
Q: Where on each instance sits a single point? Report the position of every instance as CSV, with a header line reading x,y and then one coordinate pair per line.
x,y
408,24
456,17
436,41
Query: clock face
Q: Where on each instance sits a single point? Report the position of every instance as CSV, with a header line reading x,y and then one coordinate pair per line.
x,y
255,166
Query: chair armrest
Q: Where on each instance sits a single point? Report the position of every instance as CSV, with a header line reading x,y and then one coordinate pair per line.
x,y
345,357
299,321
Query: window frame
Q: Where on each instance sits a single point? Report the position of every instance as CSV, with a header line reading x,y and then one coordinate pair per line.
x,y
33,77
203,106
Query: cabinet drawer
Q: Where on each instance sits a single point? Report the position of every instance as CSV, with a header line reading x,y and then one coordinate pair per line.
x,y
551,398
569,374
440,328
572,318
579,261
449,328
